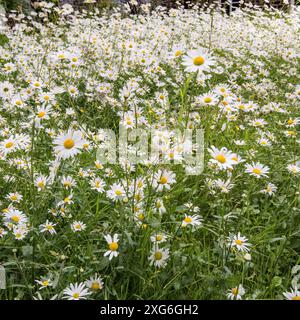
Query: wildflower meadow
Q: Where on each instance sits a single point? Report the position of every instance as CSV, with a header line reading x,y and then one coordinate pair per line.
x,y
210,105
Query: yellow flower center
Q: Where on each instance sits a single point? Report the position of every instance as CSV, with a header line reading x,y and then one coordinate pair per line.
x,y
75,295
235,291
221,158
207,99
41,184
13,198
257,171
238,242
15,218
158,255
296,298
159,237
9,144
290,121
187,219
141,216
118,192
113,246
178,53
163,180
45,283
49,227
198,61
140,184
69,143
95,286
41,114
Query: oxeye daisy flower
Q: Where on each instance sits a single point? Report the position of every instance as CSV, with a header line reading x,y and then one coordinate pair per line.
x,y
222,90
6,89
66,200
68,182
294,168
95,283
36,84
112,246
15,216
76,292
163,180
265,142
9,145
239,242
257,170
48,227
68,144
294,294
14,197
158,238
116,192
46,97
97,184
207,99
197,60
236,293
2,232
20,231
159,206
258,122
224,186
159,257
41,182
270,189
221,157
78,226
194,220
42,113
292,122
44,283
176,52
129,120
73,91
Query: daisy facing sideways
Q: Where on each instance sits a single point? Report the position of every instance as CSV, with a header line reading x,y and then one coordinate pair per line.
x,y
294,294
257,170
68,144
236,293
194,220
95,283
112,246
163,180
